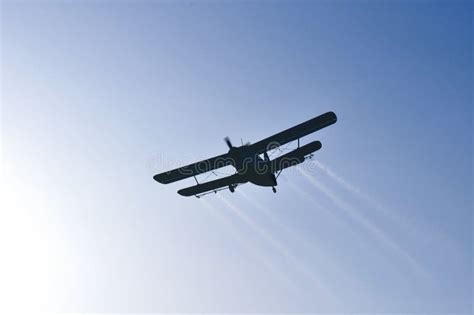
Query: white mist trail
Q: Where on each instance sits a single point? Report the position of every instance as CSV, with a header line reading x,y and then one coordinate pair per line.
x,y
265,260
314,203
279,248
294,234
266,212
361,195
368,225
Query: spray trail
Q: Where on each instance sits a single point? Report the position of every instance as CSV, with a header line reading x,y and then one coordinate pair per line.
x,y
361,195
264,210
267,262
315,204
306,195
368,225
278,247
276,221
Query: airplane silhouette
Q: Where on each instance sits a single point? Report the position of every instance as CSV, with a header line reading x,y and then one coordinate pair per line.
x,y
250,167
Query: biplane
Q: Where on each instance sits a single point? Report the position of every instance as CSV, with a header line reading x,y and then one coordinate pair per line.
x,y
250,165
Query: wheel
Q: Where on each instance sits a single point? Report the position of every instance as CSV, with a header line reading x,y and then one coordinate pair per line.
x,y
274,189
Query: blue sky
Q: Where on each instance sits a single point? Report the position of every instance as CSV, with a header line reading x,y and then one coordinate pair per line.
x,y
99,96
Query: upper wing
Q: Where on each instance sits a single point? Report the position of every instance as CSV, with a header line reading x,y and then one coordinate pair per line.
x,y
193,169
214,184
294,133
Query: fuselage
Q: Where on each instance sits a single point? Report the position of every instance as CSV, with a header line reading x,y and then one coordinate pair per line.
x,y
252,167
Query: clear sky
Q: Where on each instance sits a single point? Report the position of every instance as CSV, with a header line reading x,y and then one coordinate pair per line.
x,y
98,96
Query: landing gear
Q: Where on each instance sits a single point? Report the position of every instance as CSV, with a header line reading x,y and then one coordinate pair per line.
x,y
274,189
232,188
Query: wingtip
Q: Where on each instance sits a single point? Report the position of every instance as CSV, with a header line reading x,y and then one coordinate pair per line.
x,y
318,145
182,192
332,115
159,179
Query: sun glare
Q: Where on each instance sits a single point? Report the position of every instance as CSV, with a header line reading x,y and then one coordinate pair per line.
x,y
31,254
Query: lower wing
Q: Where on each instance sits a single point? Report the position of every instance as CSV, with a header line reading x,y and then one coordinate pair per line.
x,y
294,157
212,185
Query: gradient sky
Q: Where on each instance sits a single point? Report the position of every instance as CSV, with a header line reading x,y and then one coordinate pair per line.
x,y
98,96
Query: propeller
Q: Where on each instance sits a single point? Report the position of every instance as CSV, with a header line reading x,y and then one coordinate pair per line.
x,y
229,144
